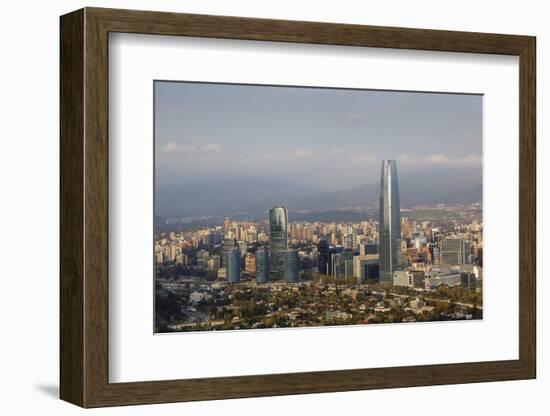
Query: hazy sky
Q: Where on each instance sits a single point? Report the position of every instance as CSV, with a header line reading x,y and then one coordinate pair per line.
x,y
328,139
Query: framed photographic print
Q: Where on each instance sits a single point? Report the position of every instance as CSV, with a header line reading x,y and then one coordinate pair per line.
x,y
255,207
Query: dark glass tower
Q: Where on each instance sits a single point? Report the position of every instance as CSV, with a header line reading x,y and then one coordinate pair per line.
x,y
291,266
278,239
389,227
234,266
262,265
323,260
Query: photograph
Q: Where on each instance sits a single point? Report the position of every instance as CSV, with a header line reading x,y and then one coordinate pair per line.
x,y
282,206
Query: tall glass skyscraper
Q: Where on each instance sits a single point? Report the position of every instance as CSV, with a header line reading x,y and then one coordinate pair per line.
x,y
228,245
278,239
389,227
292,266
323,259
262,265
346,263
234,266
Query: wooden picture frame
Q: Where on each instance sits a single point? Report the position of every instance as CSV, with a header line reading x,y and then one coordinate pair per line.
x,y
84,207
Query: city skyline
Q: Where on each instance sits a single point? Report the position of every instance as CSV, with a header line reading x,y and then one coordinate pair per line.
x,y
281,261
439,276
431,269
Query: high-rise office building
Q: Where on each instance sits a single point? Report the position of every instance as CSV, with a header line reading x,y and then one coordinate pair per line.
x,y
234,266
453,251
323,260
173,251
262,265
468,257
228,245
390,222
226,225
250,263
291,266
278,239
372,270
202,259
214,263
359,263
335,263
242,247
349,240
346,263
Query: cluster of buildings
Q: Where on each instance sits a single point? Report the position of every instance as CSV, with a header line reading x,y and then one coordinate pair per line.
x,y
393,251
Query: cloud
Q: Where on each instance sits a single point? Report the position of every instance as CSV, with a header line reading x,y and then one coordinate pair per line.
x,y
302,153
472,160
364,158
191,146
439,159
405,160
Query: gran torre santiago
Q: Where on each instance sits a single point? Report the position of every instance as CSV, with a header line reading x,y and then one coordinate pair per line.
x,y
389,226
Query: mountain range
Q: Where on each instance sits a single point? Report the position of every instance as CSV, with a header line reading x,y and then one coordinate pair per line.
x,y
253,196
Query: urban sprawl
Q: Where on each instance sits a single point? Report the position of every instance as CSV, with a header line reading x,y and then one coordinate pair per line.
x,y
411,265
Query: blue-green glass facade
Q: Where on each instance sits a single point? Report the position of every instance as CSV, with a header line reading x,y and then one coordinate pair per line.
x,y
291,266
262,265
278,240
234,266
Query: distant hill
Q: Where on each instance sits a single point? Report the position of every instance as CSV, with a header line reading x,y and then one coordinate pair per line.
x,y
330,216
413,190
219,198
256,196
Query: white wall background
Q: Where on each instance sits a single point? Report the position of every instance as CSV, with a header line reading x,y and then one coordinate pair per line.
x,y
29,209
